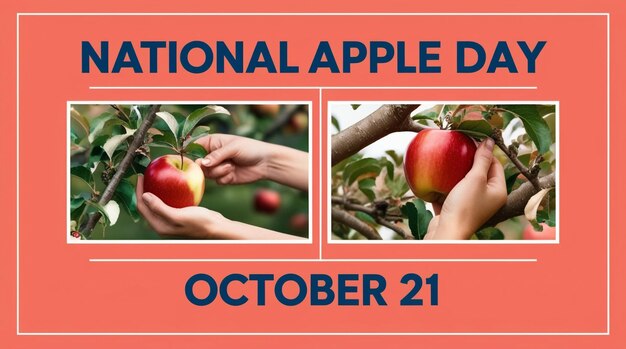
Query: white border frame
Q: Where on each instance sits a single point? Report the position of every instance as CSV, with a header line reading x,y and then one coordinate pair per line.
x,y
307,241
608,98
329,238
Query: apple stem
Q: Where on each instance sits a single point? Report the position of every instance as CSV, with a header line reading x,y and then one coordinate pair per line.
x,y
181,160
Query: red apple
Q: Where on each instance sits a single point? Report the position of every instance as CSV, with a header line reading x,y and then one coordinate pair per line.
x,y
178,183
299,221
548,233
435,161
266,201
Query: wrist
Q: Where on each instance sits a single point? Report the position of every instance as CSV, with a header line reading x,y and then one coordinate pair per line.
x,y
288,166
218,229
452,228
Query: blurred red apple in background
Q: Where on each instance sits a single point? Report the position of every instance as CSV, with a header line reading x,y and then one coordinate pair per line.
x,y
266,201
435,161
299,221
176,180
548,233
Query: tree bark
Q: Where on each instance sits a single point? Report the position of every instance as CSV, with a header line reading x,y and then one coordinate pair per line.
x,y
385,120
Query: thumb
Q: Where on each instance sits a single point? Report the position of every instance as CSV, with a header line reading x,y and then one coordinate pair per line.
x,y
219,155
157,206
482,158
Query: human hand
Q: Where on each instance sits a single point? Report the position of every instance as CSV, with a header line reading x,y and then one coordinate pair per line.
x,y
233,159
474,200
237,160
189,222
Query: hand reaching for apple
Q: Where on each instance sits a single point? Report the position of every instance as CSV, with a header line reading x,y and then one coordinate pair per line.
x,y
195,222
237,160
475,199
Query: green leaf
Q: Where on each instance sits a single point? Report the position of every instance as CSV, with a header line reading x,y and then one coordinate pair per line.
x,y
84,173
171,122
96,207
536,127
429,114
196,151
365,218
355,106
199,115
76,202
545,109
366,185
551,121
507,117
102,123
397,159
198,132
419,217
398,186
480,128
76,211
449,108
359,167
490,233
511,177
79,187
111,145
125,194
547,216
79,125
137,113
335,123
167,140
389,166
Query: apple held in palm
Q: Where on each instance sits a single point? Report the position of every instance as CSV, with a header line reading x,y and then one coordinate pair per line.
x,y
176,180
436,160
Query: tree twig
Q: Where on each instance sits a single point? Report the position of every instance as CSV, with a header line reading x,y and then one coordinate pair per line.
x,y
137,142
384,220
499,141
385,120
354,223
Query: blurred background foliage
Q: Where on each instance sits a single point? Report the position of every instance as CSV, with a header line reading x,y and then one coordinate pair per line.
x,y
94,155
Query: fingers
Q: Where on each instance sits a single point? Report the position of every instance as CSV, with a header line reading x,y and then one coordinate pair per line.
x,y
145,212
495,176
218,171
139,192
229,178
496,182
158,207
219,155
482,158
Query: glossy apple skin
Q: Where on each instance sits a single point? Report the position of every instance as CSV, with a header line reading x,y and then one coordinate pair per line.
x,y
178,186
266,201
435,161
548,233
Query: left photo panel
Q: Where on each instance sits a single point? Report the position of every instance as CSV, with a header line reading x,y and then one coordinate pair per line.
x,y
188,171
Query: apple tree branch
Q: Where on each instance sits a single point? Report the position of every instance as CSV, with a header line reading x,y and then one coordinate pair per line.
x,y
138,139
385,120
